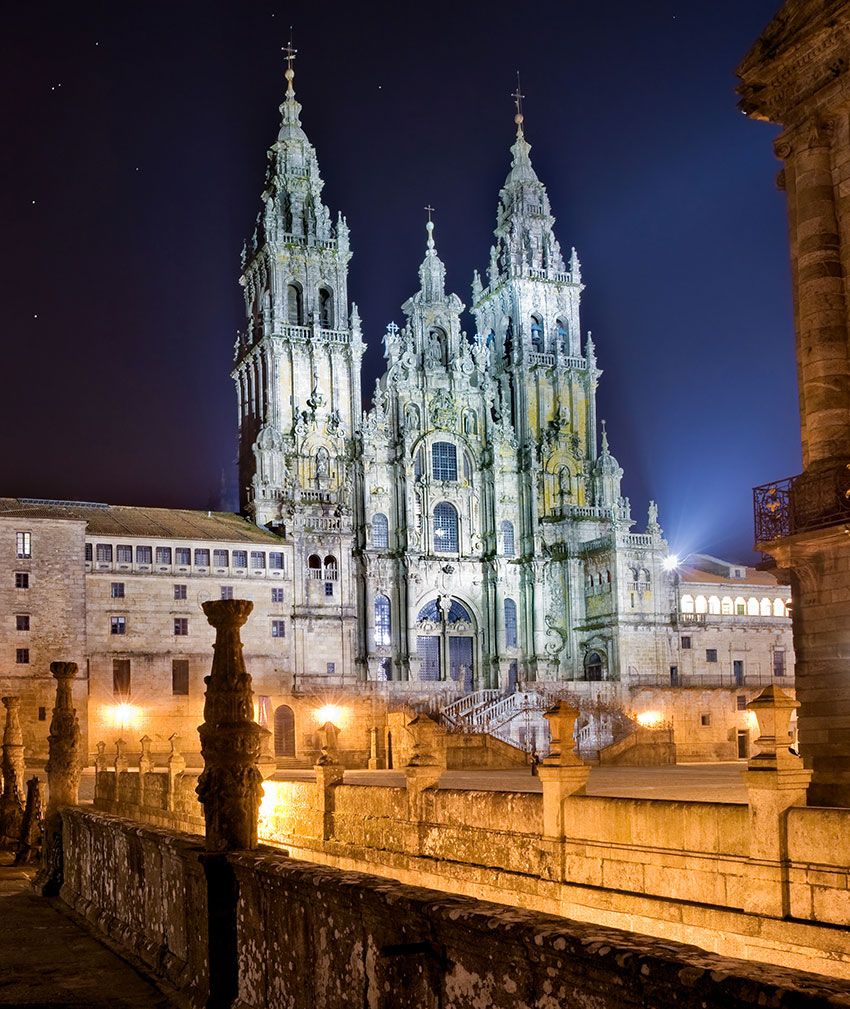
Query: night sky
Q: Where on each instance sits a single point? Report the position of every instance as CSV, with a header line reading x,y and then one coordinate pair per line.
x,y
134,153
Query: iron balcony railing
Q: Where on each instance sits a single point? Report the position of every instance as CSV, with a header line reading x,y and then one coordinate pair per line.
x,y
813,500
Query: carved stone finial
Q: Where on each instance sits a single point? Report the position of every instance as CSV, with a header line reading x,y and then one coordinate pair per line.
x,y
230,786
121,762
328,741
562,720
100,763
773,709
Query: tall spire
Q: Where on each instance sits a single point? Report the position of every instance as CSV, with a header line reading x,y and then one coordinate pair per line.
x,y
290,110
518,97
432,272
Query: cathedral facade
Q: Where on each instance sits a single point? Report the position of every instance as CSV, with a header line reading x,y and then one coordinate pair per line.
x,y
468,530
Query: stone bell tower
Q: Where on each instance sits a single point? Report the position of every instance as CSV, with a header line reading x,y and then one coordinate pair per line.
x,y
297,376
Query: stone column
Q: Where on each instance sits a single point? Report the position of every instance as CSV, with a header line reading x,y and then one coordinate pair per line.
x,y
229,788
822,348
329,774
230,785
29,844
11,801
776,780
373,761
63,777
423,769
561,773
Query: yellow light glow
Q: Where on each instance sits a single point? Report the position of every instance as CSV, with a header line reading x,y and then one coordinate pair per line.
x,y
650,718
752,721
125,716
332,713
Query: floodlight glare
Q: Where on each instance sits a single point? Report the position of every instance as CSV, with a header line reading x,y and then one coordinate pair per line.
x,y
670,562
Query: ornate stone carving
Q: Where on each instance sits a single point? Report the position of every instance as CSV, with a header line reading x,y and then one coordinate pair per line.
x,y
11,802
32,826
230,786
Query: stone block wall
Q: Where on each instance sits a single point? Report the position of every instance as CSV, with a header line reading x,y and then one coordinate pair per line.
x,y
312,936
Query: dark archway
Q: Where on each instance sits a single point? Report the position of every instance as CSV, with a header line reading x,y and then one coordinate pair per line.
x,y
284,731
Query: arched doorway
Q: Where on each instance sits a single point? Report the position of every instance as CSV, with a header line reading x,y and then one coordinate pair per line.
x,y
445,642
284,731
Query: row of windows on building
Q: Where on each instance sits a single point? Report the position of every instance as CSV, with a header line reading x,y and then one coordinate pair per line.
x,y
741,607
117,590
780,665
256,560
295,305
122,677
118,625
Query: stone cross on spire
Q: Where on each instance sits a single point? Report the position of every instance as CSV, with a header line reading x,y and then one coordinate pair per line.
x,y
518,97
291,53
429,227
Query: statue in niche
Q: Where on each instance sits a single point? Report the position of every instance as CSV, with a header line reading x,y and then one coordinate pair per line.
x,y
323,465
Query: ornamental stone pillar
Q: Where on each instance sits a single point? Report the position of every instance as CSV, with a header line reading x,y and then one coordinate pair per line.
x,y
11,801
63,777
796,75
29,843
230,786
562,772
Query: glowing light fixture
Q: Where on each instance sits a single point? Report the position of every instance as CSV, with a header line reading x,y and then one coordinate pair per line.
x,y
648,719
670,562
333,713
125,716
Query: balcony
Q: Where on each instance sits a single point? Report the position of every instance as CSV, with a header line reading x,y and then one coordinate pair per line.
x,y
814,500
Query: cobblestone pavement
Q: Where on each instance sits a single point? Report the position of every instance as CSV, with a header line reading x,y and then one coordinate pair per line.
x,y
47,959
700,782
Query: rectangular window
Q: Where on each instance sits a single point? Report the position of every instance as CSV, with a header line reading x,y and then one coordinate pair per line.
x,y
221,558
240,558
121,677
124,554
738,671
202,558
779,662
711,655
180,677
22,580
277,595
88,553
103,553
117,625
22,622
23,545
42,714
227,592
741,609
674,676
258,559
179,591
181,626
686,641
182,555
116,590
22,656
741,702
163,555
705,719
276,560
278,629
329,588
331,668
144,555
444,460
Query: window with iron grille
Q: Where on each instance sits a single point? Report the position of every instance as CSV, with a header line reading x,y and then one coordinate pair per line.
x,y
180,677
88,552
444,461
445,528
121,677
383,621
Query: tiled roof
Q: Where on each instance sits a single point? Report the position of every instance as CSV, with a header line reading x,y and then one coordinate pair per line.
x,y
753,576
131,520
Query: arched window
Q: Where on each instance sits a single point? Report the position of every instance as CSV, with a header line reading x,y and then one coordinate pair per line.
x,y
593,666
510,624
563,331
752,607
686,604
383,621
314,567
700,604
331,569
644,576
380,532
444,461
608,576
326,308
445,528
294,305
713,604
536,333
766,607
508,545
284,731
778,608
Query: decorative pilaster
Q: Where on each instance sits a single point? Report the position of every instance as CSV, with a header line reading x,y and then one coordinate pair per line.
x,y
230,786
63,777
562,772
